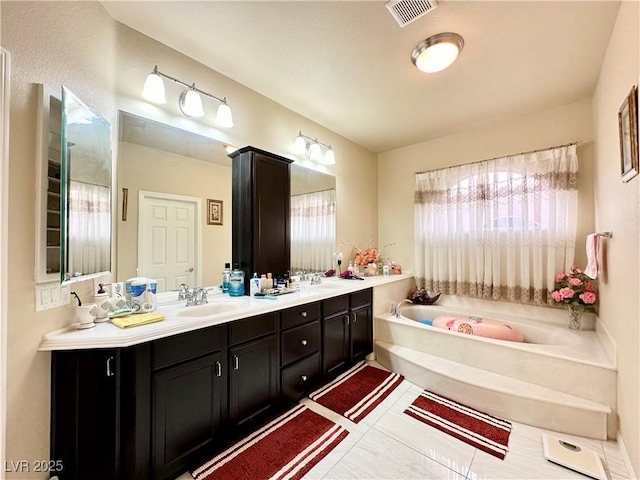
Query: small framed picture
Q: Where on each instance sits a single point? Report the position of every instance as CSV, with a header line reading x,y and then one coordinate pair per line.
x,y
628,127
214,212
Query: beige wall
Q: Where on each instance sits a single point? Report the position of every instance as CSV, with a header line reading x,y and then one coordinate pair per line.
x,y
617,207
151,170
547,128
105,64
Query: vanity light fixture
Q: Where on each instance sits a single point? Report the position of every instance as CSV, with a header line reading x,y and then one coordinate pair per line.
x,y
312,149
190,100
437,52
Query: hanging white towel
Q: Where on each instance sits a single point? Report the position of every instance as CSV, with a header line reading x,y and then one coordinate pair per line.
x,y
591,270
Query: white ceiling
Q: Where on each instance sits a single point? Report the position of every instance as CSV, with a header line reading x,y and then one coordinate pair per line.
x,y
346,65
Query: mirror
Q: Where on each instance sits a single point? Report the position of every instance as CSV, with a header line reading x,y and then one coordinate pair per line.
x,y
165,161
86,190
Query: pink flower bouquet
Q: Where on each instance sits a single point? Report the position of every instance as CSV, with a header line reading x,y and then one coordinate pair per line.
x,y
574,288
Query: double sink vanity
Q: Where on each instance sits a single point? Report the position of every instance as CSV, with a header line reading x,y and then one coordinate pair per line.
x,y
154,400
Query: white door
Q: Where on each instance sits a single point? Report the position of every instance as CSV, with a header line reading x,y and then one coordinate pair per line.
x,y
169,239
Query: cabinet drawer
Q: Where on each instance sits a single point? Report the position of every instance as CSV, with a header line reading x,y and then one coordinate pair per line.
x,y
299,315
299,378
299,342
361,298
335,305
254,327
188,345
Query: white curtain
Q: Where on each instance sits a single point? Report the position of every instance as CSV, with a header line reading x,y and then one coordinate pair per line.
x,y
89,228
498,229
313,231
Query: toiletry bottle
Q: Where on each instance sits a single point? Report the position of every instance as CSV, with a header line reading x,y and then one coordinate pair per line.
x,y
236,281
255,284
263,282
225,277
350,267
270,281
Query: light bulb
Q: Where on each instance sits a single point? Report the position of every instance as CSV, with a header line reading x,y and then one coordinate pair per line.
x,y
190,104
329,157
224,118
154,88
300,144
315,152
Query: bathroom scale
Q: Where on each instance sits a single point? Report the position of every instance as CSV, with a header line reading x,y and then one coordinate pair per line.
x,y
575,457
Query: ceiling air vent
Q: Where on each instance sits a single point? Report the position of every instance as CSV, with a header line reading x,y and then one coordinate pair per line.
x,y
406,11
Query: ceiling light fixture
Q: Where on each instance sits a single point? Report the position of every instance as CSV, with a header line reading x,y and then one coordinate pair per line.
x,y
437,52
312,149
189,102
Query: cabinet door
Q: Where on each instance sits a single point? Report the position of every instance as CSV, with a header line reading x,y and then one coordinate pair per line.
x,y
187,411
84,414
361,333
253,380
335,341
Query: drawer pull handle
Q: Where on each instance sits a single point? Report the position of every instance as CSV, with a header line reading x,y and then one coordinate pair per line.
x,y
346,319
110,372
304,314
355,317
236,362
218,369
303,378
303,342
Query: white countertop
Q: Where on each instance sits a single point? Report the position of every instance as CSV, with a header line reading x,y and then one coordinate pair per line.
x,y
106,335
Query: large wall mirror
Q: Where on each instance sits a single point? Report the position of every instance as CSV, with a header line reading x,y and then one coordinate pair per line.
x,y
86,190
165,229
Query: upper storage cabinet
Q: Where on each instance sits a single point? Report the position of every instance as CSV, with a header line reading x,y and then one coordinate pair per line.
x,y
86,190
261,212
49,185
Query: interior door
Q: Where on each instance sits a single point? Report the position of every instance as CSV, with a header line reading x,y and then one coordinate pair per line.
x,y
168,240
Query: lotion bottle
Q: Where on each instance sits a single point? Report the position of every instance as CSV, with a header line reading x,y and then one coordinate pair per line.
x,y
255,284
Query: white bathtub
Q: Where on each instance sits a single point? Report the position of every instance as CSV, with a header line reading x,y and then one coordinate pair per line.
x,y
557,378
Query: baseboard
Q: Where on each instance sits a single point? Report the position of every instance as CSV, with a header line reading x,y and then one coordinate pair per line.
x,y
625,457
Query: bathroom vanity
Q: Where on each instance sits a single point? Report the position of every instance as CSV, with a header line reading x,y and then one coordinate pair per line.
x,y
154,400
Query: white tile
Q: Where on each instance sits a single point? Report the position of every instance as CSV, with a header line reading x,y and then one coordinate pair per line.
x,y
525,460
614,461
377,456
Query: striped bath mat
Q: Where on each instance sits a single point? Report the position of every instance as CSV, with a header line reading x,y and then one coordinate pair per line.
x,y
287,448
357,391
489,434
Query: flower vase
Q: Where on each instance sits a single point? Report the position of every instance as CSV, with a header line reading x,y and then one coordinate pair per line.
x,y
372,269
575,317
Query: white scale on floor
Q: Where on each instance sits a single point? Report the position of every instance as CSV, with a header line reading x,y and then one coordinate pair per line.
x,y
575,457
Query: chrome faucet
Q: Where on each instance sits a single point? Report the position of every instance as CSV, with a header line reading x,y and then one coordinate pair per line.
x,y
396,307
316,279
196,296
183,291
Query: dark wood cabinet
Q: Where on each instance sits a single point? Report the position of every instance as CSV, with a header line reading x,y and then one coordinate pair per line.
x,y
85,428
260,226
361,333
253,380
187,412
336,342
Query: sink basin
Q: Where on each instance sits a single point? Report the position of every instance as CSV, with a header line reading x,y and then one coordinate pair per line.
x,y
208,309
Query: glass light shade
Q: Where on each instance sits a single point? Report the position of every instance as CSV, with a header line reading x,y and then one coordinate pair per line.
x,y
224,118
300,144
154,89
315,152
329,157
190,104
437,52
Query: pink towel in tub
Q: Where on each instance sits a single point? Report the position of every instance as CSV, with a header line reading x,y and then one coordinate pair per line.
x,y
591,270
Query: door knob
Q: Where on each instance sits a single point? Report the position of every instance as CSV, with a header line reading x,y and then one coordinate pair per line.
x,y
303,378
190,270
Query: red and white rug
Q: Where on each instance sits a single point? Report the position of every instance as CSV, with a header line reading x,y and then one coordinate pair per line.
x,y
286,448
488,433
357,391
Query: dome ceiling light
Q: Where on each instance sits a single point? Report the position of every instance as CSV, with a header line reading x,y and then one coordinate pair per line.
x,y
437,52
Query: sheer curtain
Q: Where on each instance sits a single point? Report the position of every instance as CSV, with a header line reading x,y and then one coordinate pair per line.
x,y
313,231
89,228
498,229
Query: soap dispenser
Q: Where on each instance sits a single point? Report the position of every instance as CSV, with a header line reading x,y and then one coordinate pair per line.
x,y
101,299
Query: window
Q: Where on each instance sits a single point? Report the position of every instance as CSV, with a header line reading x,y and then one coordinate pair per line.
x,y
497,229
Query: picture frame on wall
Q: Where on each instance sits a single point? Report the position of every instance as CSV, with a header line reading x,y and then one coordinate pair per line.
x,y
214,212
628,128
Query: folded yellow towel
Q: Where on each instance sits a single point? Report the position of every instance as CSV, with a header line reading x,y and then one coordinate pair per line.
x,y
135,320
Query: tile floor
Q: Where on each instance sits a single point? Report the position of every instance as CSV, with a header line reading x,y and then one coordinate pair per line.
x,y
388,444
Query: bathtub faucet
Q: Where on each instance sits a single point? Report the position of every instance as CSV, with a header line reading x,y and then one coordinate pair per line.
x,y
396,307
